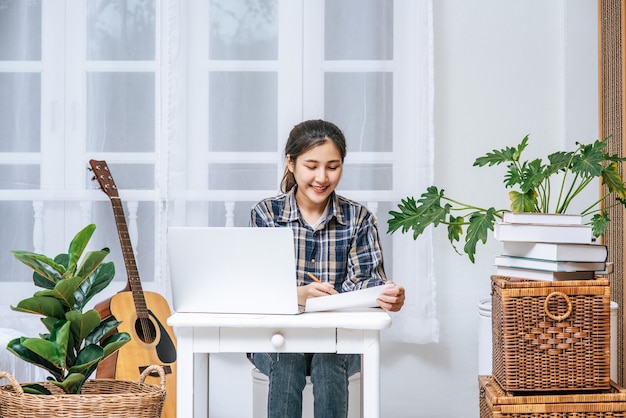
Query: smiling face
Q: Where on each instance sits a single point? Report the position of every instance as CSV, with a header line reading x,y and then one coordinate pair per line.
x,y
317,173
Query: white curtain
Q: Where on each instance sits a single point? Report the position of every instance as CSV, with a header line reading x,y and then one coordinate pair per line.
x,y
250,74
190,102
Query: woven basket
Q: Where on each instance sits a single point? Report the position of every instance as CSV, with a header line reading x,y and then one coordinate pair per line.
x,y
99,398
551,336
496,403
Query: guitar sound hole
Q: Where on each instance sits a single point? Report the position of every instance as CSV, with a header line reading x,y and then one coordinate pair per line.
x,y
145,330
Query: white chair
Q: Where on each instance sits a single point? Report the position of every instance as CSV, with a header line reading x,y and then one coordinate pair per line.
x,y
260,384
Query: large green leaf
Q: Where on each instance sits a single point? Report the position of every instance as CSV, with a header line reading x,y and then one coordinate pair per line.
x,y
611,177
505,155
559,161
40,281
72,383
533,173
107,327
455,227
55,349
87,357
418,217
94,284
63,291
477,230
16,347
49,321
599,223
43,305
36,389
78,245
114,342
42,265
589,162
91,261
45,349
523,202
82,324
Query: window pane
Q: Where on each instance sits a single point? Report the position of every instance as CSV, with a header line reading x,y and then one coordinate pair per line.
x,y
242,111
20,25
367,177
20,112
23,176
243,30
359,30
133,176
16,235
120,112
242,177
241,213
120,30
362,105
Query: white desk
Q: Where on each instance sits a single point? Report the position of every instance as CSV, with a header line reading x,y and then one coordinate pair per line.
x,y
198,335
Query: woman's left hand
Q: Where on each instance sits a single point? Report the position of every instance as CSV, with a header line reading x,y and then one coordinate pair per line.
x,y
392,298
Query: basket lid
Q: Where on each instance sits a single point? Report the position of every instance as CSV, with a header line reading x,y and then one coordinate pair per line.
x,y
515,283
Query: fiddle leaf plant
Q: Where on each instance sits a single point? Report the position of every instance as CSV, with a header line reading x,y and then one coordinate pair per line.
x,y
77,340
537,186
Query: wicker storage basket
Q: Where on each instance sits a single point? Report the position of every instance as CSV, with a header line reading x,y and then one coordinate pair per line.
x,y
496,403
551,336
100,398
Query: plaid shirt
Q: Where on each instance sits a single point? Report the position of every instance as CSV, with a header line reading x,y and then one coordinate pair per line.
x,y
343,249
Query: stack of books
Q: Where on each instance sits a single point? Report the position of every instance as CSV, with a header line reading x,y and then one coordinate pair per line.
x,y
548,247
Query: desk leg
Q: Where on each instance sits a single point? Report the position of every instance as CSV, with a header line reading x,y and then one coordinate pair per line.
x,y
201,385
370,376
184,371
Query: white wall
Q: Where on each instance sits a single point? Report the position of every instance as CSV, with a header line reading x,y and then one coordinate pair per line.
x,y
503,69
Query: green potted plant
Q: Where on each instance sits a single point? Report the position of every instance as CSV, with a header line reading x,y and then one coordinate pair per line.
x,y
76,341
533,182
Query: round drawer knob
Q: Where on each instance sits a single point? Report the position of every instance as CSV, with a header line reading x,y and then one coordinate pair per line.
x,y
278,340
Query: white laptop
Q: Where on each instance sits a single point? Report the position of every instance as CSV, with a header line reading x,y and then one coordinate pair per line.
x,y
232,270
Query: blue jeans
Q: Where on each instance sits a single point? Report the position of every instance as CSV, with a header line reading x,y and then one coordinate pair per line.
x,y
287,377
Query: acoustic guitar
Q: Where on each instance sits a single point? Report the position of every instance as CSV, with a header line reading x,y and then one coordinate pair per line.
x,y
142,314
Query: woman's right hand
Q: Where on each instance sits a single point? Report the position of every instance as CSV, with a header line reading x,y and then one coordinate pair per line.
x,y
314,290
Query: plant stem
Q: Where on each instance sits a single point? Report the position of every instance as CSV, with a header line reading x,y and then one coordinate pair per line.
x,y
572,194
589,210
464,205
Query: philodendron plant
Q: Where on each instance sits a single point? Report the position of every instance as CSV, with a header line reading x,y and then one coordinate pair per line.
x,y
76,341
545,187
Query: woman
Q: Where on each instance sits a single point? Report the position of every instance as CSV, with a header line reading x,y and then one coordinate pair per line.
x,y
337,250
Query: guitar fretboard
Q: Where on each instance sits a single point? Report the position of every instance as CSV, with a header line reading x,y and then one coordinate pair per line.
x,y
134,282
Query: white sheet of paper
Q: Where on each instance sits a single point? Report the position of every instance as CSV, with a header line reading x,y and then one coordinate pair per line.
x,y
362,298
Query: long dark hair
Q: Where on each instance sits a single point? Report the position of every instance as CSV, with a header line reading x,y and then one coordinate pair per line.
x,y
303,137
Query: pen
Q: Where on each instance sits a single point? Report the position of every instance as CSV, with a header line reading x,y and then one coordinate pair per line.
x,y
313,277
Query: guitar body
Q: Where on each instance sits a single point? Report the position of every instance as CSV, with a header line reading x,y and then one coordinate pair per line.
x,y
152,342
142,314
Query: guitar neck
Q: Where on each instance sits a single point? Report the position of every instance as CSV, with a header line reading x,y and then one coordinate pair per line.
x,y
134,283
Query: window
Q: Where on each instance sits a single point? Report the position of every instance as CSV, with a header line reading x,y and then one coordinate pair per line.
x,y
78,80
190,103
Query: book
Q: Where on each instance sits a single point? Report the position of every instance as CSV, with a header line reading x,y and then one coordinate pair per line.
x,y
578,234
549,276
547,265
542,218
556,251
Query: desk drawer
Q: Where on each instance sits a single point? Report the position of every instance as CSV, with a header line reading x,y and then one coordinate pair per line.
x,y
312,340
